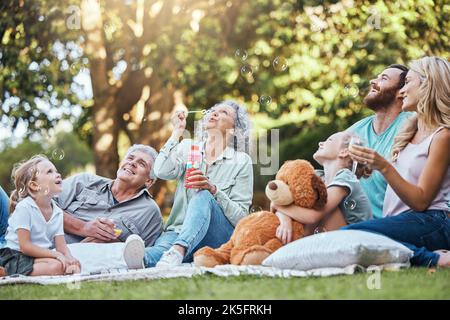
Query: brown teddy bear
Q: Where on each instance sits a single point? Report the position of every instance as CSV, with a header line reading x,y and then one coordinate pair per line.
x,y
254,237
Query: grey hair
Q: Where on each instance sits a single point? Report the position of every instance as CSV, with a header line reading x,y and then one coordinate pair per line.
x,y
242,126
147,150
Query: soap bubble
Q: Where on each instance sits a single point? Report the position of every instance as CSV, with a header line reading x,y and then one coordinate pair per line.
x,y
255,209
21,191
363,42
287,7
280,64
73,68
351,90
350,204
45,190
241,54
34,172
246,70
58,154
265,100
317,26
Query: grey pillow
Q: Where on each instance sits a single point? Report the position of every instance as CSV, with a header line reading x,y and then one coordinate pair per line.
x,y
339,249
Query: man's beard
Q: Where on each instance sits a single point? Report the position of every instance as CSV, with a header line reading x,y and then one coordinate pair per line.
x,y
382,99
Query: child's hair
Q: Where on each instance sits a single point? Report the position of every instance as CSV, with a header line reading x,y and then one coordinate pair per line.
x,y
23,173
433,106
362,170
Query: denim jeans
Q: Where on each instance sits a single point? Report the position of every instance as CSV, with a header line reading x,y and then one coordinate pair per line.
x,y
205,224
422,232
4,201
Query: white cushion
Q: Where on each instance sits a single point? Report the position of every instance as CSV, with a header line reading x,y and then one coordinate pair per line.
x,y
339,248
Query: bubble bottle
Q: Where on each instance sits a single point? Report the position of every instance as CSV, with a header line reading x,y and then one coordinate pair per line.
x,y
194,157
194,160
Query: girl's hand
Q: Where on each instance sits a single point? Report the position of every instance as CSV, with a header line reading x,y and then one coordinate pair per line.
x,y
369,157
72,261
72,269
197,180
61,258
73,265
178,121
284,230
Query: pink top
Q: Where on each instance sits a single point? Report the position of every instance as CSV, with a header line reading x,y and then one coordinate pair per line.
x,y
410,164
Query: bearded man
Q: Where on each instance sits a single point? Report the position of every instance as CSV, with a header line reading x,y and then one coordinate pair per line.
x,y
380,129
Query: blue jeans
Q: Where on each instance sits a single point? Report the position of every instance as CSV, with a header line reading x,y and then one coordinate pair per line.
x,y
205,224
422,232
4,202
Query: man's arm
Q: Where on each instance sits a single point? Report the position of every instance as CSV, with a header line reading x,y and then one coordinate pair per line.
x,y
100,228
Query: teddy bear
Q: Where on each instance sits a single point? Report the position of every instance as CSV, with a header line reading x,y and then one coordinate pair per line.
x,y
254,237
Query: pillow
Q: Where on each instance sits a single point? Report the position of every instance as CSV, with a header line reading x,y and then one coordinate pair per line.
x,y
339,249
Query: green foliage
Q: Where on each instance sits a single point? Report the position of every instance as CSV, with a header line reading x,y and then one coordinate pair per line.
x,y
332,49
66,151
11,155
30,71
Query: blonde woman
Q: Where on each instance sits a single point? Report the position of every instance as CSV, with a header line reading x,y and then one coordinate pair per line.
x,y
416,202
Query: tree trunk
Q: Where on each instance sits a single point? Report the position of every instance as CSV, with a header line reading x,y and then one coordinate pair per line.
x,y
105,109
105,137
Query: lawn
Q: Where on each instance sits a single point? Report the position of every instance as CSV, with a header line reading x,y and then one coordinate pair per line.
x,y
406,284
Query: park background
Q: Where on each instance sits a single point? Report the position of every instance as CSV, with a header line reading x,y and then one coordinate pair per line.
x,y
80,81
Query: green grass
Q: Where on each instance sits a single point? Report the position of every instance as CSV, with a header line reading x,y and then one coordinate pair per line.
x,y
405,284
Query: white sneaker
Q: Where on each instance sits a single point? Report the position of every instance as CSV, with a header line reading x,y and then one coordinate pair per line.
x,y
170,258
134,252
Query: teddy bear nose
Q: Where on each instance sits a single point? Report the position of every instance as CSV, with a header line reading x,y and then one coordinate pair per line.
x,y
273,186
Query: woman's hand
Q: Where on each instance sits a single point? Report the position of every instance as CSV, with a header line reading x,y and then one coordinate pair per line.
x,y
178,121
369,157
284,230
197,180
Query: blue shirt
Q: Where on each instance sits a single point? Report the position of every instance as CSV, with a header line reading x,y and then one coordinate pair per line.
x,y
375,186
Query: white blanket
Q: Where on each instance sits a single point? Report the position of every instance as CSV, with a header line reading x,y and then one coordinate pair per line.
x,y
187,270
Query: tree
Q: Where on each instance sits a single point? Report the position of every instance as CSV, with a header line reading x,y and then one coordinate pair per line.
x,y
301,65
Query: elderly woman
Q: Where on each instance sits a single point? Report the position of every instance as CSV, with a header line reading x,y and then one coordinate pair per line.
x,y
211,201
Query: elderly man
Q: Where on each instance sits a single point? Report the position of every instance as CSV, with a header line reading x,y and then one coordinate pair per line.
x,y
98,209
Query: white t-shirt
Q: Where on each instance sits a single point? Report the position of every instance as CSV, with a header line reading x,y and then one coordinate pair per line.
x,y
27,215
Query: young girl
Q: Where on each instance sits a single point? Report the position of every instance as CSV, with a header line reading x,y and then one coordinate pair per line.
x,y
36,224
347,203
416,202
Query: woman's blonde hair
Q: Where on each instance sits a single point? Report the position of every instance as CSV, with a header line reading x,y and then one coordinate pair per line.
x,y
23,173
433,107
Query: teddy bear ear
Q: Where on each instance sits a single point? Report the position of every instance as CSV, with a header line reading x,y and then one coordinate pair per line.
x,y
321,190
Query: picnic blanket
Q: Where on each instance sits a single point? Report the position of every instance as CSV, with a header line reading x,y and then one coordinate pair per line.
x,y
188,271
